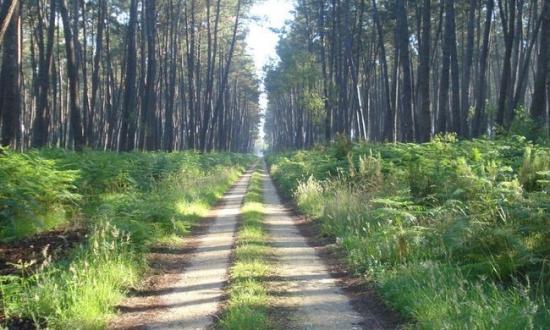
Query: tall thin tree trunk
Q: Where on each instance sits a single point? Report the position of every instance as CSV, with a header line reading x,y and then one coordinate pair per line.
x,y
10,98
129,116
424,124
455,91
508,18
479,124
223,84
406,94
149,102
8,9
322,51
42,117
468,60
96,67
389,122
538,108
191,97
72,71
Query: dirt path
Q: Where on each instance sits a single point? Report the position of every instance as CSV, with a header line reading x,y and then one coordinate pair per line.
x,y
304,289
190,298
189,292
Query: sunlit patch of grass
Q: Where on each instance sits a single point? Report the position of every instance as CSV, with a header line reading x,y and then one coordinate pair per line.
x,y
441,297
80,293
248,295
193,209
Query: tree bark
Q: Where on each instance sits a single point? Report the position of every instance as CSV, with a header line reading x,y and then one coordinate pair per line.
x,y
468,60
389,122
129,116
96,67
479,124
404,59
508,18
42,117
10,102
149,102
538,108
223,84
72,71
455,92
424,124
322,51
8,9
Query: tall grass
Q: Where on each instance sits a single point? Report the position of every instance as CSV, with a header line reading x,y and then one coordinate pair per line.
x,y
128,202
248,297
455,233
77,293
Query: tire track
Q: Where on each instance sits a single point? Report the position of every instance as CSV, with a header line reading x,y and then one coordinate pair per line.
x,y
192,297
306,293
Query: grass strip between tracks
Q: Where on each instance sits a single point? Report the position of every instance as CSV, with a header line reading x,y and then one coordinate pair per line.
x,y
248,301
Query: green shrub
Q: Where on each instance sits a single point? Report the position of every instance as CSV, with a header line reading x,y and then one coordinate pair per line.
x,y
535,171
34,195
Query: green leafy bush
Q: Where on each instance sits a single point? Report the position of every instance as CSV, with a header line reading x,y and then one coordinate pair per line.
x,y
534,173
34,194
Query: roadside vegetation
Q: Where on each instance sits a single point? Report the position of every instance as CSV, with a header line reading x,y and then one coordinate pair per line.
x,y
455,234
248,303
125,203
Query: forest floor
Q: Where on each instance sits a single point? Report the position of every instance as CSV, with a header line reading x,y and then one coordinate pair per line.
x,y
30,252
308,287
26,255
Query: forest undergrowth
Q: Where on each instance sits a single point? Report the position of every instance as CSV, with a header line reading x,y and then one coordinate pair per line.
x,y
455,234
125,203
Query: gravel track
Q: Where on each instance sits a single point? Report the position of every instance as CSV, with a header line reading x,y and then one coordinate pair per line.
x,y
192,297
304,290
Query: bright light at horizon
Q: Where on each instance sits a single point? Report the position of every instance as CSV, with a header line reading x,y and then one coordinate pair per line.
x,y
262,41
